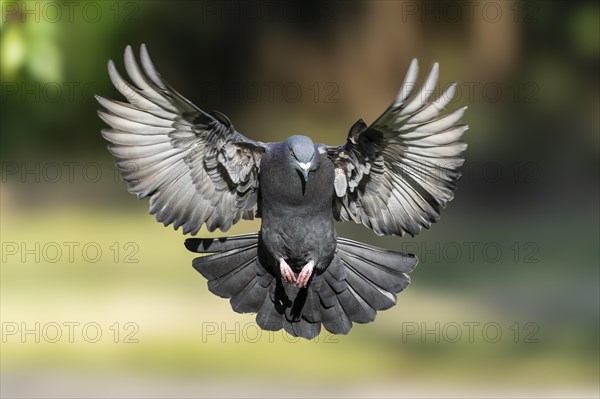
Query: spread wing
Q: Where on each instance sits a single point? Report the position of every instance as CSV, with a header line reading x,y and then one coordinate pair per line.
x,y
193,165
397,174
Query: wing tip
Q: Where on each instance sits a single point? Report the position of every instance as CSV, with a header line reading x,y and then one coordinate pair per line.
x,y
102,114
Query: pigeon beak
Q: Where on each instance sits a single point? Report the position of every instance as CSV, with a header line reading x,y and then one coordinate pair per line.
x,y
305,167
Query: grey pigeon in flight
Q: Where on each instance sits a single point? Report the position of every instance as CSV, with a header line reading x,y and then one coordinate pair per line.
x,y
394,176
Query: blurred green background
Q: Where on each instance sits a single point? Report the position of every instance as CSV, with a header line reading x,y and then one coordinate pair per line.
x,y
99,300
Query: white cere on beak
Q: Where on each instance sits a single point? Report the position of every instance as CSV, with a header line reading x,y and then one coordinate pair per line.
x,y
305,166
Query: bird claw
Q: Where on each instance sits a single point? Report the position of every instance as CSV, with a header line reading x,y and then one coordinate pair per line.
x,y
286,272
305,274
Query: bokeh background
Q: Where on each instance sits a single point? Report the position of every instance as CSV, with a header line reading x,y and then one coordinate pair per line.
x,y
99,300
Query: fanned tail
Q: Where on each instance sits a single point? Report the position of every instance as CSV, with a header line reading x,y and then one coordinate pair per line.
x,y
360,280
233,269
368,280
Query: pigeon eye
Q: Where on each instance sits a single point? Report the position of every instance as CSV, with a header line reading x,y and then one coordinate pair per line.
x,y
292,153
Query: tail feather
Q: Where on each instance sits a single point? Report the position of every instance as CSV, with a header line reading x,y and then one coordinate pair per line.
x,y
313,307
384,259
391,281
302,328
205,245
233,282
360,280
268,317
333,315
336,276
335,319
222,263
301,310
327,295
376,274
233,270
376,297
358,310
250,298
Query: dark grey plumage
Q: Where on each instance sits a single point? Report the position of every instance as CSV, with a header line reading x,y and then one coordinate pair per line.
x,y
393,176
351,288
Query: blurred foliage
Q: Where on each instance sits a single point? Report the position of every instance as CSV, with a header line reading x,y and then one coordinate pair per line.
x,y
32,47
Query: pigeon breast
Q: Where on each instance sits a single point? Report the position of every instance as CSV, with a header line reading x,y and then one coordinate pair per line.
x,y
297,216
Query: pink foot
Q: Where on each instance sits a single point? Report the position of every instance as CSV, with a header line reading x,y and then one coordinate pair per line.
x,y
286,272
305,274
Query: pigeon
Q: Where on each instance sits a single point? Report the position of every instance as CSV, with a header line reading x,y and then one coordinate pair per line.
x,y
393,176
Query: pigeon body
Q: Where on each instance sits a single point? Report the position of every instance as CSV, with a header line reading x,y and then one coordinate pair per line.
x,y
297,217
394,176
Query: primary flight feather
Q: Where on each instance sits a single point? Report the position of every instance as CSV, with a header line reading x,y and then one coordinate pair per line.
x,y
393,176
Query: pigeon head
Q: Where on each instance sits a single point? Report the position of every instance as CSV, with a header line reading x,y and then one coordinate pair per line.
x,y
302,154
